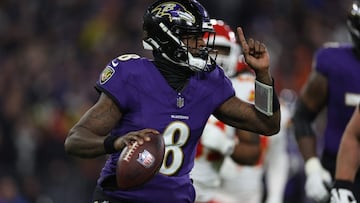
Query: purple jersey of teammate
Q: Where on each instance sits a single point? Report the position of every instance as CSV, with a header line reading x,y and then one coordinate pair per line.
x,y
342,69
147,101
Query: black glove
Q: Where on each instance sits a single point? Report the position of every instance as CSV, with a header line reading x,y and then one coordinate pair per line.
x,y
341,192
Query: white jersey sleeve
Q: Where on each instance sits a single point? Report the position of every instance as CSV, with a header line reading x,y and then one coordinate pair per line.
x,y
245,182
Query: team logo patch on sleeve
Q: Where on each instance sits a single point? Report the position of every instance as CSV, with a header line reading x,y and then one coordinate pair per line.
x,y
107,73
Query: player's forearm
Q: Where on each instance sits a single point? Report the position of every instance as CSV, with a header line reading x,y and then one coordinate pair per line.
x,y
302,121
248,150
246,155
266,125
270,124
348,159
83,143
307,146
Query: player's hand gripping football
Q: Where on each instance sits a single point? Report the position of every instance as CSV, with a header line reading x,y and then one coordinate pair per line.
x,y
255,53
140,136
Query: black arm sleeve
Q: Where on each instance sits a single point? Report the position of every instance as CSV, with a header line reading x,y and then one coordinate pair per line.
x,y
302,120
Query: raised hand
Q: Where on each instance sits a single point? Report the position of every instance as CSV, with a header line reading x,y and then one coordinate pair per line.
x,y
255,53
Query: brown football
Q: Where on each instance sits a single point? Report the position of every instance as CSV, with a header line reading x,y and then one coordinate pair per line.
x,y
137,164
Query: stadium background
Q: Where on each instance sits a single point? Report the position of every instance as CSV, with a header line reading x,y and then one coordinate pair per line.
x,y
51,53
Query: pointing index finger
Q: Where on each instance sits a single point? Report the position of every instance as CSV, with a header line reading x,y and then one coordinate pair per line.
x,y
242,39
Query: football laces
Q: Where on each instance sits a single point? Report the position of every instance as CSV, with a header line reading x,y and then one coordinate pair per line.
x,y
130,151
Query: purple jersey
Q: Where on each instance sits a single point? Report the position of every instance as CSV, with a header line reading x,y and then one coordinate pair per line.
x,y
342,68
147,101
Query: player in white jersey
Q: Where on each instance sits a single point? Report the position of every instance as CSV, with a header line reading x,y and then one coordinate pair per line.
x,y
245,183
236,146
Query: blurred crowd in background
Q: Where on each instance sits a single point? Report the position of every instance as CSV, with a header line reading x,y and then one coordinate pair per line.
x,y
51,54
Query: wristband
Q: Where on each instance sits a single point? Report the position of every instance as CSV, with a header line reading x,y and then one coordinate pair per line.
x,y
109,144
343,184
266,100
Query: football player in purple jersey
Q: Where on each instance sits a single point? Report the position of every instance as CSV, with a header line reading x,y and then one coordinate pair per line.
x,y
172,95
334,83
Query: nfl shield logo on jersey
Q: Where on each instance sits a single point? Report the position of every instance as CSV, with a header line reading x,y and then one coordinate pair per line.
x,y
180,102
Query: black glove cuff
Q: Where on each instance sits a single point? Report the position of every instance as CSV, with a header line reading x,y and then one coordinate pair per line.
x,y
109,144
343,184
